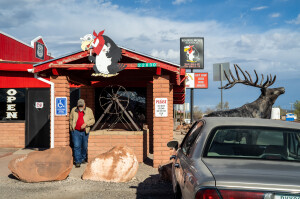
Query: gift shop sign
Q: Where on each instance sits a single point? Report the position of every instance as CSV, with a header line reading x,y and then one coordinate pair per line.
x,y
196,80
161,107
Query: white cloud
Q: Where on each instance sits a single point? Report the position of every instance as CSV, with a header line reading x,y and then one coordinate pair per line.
x,y
295,21
178,2
259,8
62,23
275,15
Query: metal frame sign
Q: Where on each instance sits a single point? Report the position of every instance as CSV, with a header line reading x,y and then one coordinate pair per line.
x,y
192,52
196,80
61,106
161,107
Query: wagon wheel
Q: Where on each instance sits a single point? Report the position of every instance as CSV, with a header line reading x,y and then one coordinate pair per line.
x,y
110,95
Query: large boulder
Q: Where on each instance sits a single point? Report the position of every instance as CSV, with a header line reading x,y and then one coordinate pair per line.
x,y
117,165
38,166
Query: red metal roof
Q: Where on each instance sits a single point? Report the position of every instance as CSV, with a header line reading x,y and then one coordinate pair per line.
x,y
79,70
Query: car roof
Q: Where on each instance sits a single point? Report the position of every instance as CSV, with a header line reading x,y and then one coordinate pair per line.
x,y
239,121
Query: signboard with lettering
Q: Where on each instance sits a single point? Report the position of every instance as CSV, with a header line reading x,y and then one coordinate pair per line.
x,y
12,103
161,107
196,80
192,52
61,106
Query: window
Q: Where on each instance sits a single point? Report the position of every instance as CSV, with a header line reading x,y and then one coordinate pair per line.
x,y
255,143
190,138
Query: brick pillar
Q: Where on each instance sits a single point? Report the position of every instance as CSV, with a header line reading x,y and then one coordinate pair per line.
x,y
162,126
61,123
88,94
150,115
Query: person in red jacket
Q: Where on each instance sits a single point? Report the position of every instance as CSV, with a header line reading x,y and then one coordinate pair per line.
x,y
81,120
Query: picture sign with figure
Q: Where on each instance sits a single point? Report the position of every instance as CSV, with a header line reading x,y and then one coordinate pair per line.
x,y
104,53
192,52
61,106
161,107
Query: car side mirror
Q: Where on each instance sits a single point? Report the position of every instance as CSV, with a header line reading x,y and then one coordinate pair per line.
x,y
298,151
173,144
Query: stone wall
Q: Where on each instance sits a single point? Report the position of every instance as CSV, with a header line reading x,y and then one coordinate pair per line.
x,y
101,141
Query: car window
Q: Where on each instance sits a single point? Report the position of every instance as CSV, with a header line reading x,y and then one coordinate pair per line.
x,y
257,143
191,137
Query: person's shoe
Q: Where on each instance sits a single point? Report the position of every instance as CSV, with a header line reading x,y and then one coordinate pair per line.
x,y
77,165
83,162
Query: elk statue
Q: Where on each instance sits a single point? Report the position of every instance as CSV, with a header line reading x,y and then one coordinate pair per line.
x,y
260,108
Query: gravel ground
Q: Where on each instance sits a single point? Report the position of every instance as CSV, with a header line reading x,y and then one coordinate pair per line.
x,y
146,184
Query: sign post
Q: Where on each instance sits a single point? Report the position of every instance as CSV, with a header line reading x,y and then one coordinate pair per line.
x,y
192,57
219,75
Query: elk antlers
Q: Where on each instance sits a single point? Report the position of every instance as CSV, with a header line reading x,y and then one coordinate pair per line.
x,y
247,81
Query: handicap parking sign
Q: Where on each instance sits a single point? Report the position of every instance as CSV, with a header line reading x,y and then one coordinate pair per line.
x,y
61,106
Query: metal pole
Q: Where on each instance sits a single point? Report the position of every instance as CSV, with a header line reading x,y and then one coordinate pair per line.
x,y
221,78
192,102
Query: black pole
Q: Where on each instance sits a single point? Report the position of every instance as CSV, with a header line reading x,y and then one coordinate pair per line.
x,y
192,102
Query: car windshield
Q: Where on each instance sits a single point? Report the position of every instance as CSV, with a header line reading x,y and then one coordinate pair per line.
x,y
254,143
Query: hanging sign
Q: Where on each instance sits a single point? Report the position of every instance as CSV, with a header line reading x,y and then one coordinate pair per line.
x,y
161,107
61,106
196,80
106,54
192,52
39,50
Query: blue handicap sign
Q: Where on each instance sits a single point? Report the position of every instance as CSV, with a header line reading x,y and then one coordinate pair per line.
x,y
61,106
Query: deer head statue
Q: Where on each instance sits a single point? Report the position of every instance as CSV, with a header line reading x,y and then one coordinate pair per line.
x,y
260,108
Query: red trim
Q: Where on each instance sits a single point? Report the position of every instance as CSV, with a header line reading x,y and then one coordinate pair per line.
x,y
14,67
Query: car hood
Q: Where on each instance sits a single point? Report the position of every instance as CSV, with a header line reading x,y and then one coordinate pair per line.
x,y
255,174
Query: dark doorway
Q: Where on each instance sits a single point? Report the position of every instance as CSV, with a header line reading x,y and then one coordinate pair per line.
x,y
38,118
74,97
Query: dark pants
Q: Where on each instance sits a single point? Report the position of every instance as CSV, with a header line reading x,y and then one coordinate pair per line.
x,y
80,144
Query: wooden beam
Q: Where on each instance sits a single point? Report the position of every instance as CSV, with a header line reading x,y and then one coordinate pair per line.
x,y
78,80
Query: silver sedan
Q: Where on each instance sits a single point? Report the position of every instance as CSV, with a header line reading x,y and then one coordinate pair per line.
x,y
231,158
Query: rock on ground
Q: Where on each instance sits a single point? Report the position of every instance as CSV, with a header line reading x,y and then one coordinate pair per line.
x,y
117,165
38,166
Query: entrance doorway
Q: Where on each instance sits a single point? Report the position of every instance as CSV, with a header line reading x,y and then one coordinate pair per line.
x,y
37,118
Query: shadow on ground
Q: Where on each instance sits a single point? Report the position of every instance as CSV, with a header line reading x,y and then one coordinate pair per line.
x,y
154,188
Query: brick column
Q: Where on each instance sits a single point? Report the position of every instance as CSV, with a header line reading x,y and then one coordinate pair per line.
x,y
162,126
88,94
61,123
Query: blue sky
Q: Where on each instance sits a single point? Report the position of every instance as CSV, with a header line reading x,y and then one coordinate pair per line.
x,y
256,34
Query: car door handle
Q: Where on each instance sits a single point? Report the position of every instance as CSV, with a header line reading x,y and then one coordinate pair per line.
x,y
172,157
176,165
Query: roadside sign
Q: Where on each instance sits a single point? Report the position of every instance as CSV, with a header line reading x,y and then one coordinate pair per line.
x,y
61,106
161,107
196,80
290,117
217,68
192,52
